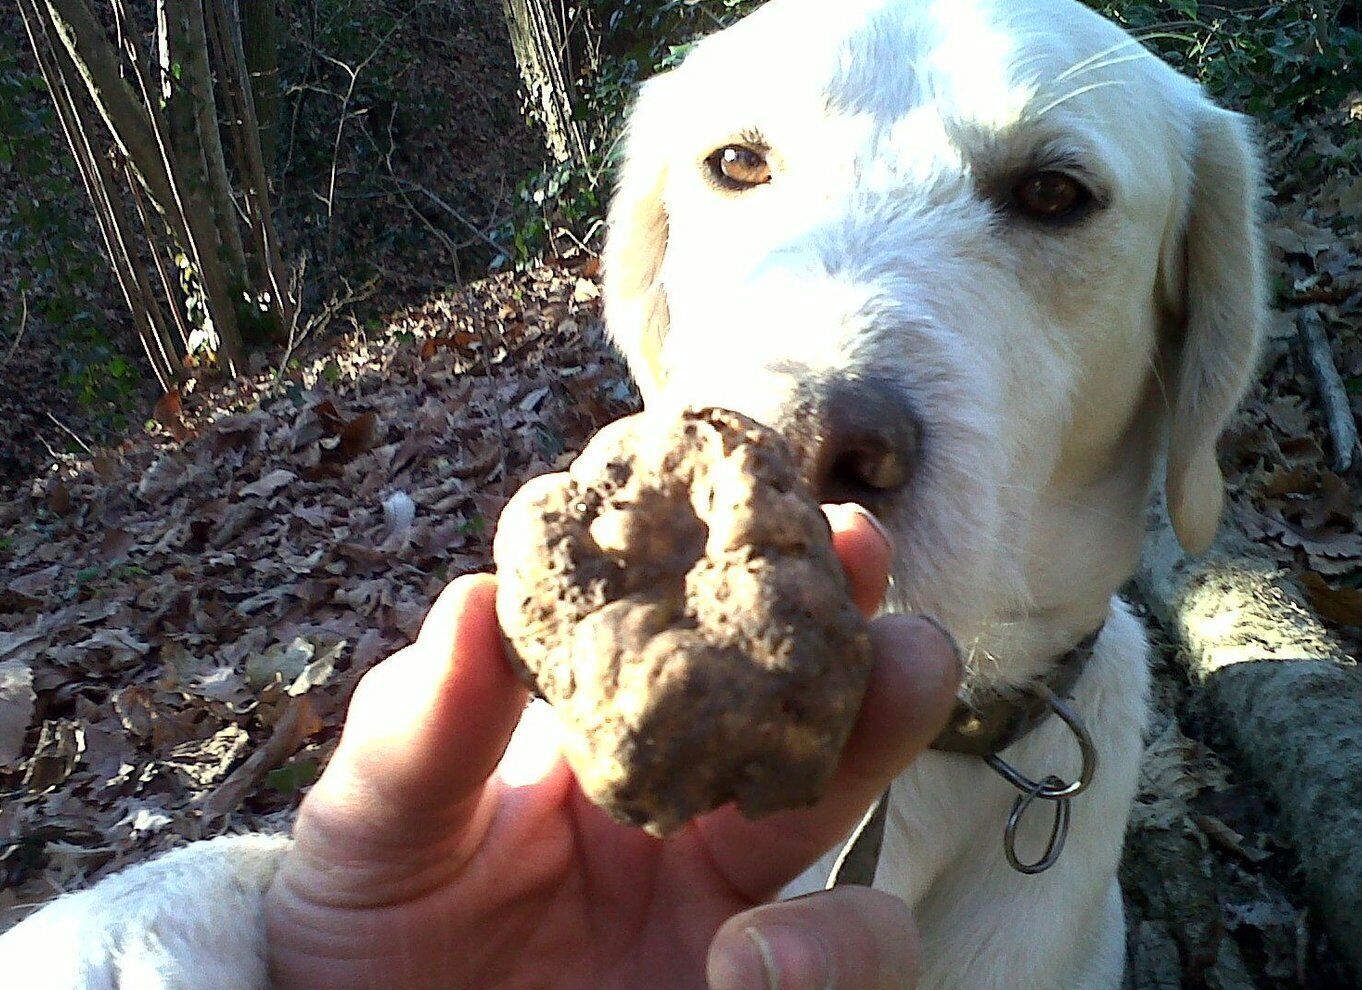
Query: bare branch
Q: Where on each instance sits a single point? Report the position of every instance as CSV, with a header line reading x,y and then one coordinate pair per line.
x,y
19,333
1333,395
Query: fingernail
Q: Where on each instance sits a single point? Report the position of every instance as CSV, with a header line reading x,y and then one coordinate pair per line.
x,y
775,957
856,509
742,964
956,652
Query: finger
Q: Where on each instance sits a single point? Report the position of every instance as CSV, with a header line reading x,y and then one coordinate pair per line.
x,y
866,552
426,727
848,938
909,696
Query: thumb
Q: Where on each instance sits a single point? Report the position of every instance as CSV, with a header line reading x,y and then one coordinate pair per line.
x,y
848,938
425,730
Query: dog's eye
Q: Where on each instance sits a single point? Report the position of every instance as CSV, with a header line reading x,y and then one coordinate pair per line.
x,y
737,167
1051,196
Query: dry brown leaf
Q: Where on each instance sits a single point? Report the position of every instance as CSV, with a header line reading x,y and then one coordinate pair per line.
x,y
59,498
169,412
1341,605
358,436
115,545
37,583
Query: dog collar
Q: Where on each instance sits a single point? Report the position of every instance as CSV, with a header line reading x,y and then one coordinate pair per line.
x,y
984,727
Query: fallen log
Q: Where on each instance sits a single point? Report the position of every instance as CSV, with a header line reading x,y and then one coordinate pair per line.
x,y
1288,697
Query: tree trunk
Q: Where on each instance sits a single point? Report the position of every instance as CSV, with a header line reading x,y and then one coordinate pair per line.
x,y
272,304
197,144
171,132
260,42
543,54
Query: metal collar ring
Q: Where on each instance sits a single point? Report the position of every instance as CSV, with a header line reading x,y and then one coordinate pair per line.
x,y
1051,788
1058,832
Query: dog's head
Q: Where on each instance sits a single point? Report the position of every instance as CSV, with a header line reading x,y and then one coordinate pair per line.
x,y
983,260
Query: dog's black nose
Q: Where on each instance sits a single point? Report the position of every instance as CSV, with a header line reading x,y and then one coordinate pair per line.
x,y
858,439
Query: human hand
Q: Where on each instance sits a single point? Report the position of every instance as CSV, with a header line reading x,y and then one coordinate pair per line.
x,y
430,854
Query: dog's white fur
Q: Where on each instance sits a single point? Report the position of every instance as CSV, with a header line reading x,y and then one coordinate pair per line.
x,y
1046,367
1052,371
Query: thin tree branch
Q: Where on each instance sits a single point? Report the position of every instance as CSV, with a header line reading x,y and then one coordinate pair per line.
x,y
19,333
1333,395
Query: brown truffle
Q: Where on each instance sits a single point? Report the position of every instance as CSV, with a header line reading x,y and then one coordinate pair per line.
x,y
675,596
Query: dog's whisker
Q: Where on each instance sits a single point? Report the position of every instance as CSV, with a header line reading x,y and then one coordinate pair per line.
x,y
1108,64
1073,94
1099,59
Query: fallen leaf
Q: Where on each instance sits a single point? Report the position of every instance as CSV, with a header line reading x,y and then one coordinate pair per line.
x,y
166,476
202,763
281,662
1227,838
270,484
12,642
358,436
59,748
318,672
115,545
59,498
169,412
16,709
1341,605
1173,771
293,777
37,583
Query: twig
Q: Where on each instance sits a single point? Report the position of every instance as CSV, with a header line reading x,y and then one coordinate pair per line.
x,y
71,433
18,334
353,73
300,720
319,321
1333,396
580,242
434,198
450,247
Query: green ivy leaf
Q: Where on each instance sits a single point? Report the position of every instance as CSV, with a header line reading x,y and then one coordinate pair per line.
x,y
293,777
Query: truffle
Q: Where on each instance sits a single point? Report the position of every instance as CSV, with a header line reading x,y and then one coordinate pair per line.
x,y
675,596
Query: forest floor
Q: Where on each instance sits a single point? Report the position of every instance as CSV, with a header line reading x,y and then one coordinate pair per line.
x,y
185,609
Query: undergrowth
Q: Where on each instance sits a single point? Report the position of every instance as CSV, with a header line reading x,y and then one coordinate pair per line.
x,y
55,278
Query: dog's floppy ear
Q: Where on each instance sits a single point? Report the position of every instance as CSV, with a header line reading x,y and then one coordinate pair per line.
x,y
636,241
1213,284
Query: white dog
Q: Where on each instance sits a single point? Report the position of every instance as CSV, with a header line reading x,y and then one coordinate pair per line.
x,y
991,265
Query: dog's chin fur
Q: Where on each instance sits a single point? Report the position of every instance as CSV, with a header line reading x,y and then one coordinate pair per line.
x,y
1055,374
